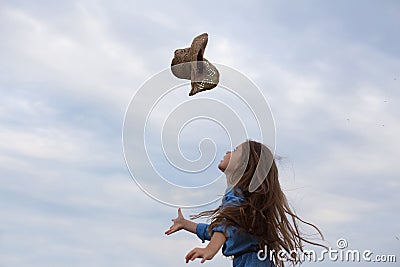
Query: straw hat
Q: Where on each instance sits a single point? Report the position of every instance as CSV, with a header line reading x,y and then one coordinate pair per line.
x,y
189,63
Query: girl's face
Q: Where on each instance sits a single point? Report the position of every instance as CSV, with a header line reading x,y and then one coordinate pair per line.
x,y
231,158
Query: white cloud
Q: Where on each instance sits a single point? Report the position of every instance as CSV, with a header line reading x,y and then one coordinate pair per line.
x,y
86,62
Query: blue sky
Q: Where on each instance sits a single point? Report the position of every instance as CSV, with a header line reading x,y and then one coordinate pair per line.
x,y
330,72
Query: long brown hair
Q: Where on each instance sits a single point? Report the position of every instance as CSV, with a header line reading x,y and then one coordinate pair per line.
x,y
266,212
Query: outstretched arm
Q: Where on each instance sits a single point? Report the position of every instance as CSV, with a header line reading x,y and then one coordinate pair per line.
x,y
207,253
181,223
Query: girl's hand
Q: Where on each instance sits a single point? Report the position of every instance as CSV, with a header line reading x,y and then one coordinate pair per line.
x,y
179,223
204,253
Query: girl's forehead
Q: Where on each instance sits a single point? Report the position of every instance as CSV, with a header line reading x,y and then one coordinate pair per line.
x,y
244,145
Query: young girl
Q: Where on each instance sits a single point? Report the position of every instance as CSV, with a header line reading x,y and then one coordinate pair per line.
x,y
251,223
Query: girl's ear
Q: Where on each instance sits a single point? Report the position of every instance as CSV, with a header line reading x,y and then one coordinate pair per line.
x,y
263,166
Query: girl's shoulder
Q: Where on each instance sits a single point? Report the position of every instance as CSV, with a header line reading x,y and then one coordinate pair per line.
x,y
233,196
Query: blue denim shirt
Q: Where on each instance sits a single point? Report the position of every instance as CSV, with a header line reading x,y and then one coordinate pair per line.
x,y
236,242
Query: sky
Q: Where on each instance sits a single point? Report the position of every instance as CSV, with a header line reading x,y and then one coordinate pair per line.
x,y
330,72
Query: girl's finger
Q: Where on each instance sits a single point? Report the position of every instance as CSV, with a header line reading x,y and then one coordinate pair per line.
x,y
194,256
189,255
170,231
180,212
